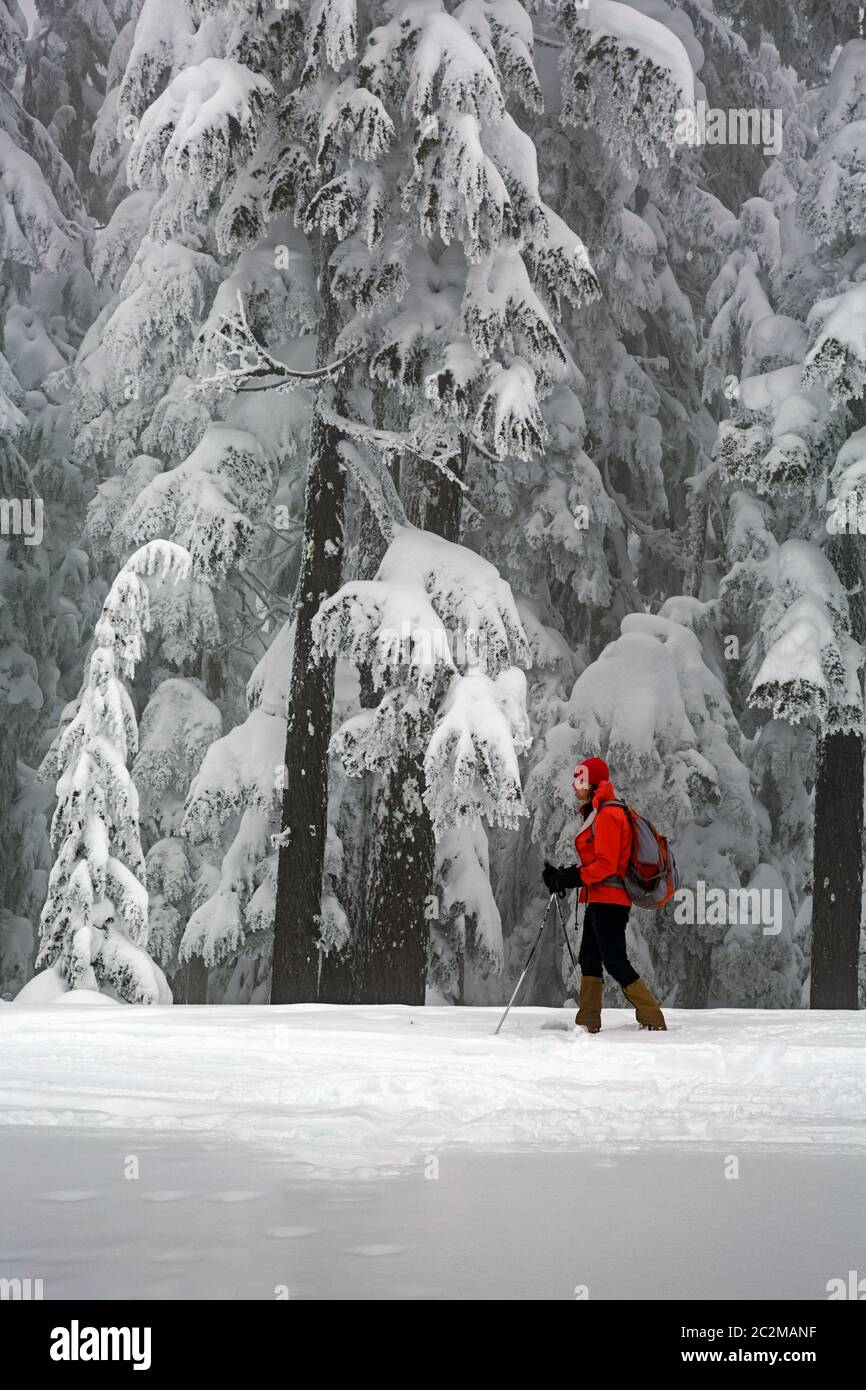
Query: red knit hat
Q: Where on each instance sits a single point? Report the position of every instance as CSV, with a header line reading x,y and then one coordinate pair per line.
x,y
592,771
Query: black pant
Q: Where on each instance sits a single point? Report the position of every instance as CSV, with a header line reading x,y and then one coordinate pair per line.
x,y
603,943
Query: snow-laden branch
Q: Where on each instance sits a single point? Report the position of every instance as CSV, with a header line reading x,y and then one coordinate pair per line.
x,y
811,665
430,602
440,634
392,443
254,361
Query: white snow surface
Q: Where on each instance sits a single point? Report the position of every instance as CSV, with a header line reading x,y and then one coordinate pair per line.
x,y
456,1164
366,1090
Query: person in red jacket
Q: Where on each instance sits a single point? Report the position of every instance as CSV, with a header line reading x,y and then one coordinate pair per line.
x,y
604,848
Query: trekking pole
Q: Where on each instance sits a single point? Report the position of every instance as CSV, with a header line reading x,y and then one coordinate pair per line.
x,y
528,963
565,934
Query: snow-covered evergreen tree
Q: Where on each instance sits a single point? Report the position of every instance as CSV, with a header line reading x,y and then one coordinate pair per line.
x,y
46,304
188,465
95,919
440,637
799,397
444,293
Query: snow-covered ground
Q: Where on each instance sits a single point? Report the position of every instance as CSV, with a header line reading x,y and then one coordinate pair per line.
x,y
375,1152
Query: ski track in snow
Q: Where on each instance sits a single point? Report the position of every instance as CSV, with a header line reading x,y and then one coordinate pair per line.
x,y
365,1091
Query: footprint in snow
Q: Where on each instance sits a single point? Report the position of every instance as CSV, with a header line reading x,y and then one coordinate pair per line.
x,y
373,1250
239,1196
72,1195
291,1232
174,1257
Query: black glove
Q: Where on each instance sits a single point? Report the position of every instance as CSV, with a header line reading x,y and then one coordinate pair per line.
x,y
560,880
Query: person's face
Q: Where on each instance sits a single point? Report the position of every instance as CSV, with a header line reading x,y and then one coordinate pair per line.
x,y
582,789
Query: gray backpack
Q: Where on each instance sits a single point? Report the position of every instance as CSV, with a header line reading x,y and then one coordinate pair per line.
x,y
652,877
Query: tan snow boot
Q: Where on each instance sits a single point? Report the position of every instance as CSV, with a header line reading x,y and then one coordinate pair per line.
x,y
647,1011
588,1015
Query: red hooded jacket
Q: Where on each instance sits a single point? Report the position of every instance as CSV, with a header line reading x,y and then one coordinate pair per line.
x,y
604,848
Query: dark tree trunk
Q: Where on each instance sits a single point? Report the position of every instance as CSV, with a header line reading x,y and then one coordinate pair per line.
x,y
838,872
11,851
336,979
401,857
296,960
694,986
400,877
838,835
342,973
696,532
190,984
10,838
436,501
339,972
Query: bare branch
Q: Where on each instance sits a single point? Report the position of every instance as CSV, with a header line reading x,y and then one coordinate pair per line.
x,y
254,629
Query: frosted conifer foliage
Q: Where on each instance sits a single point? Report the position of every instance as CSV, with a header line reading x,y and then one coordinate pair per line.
x,y
95,920
440,633
812,663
